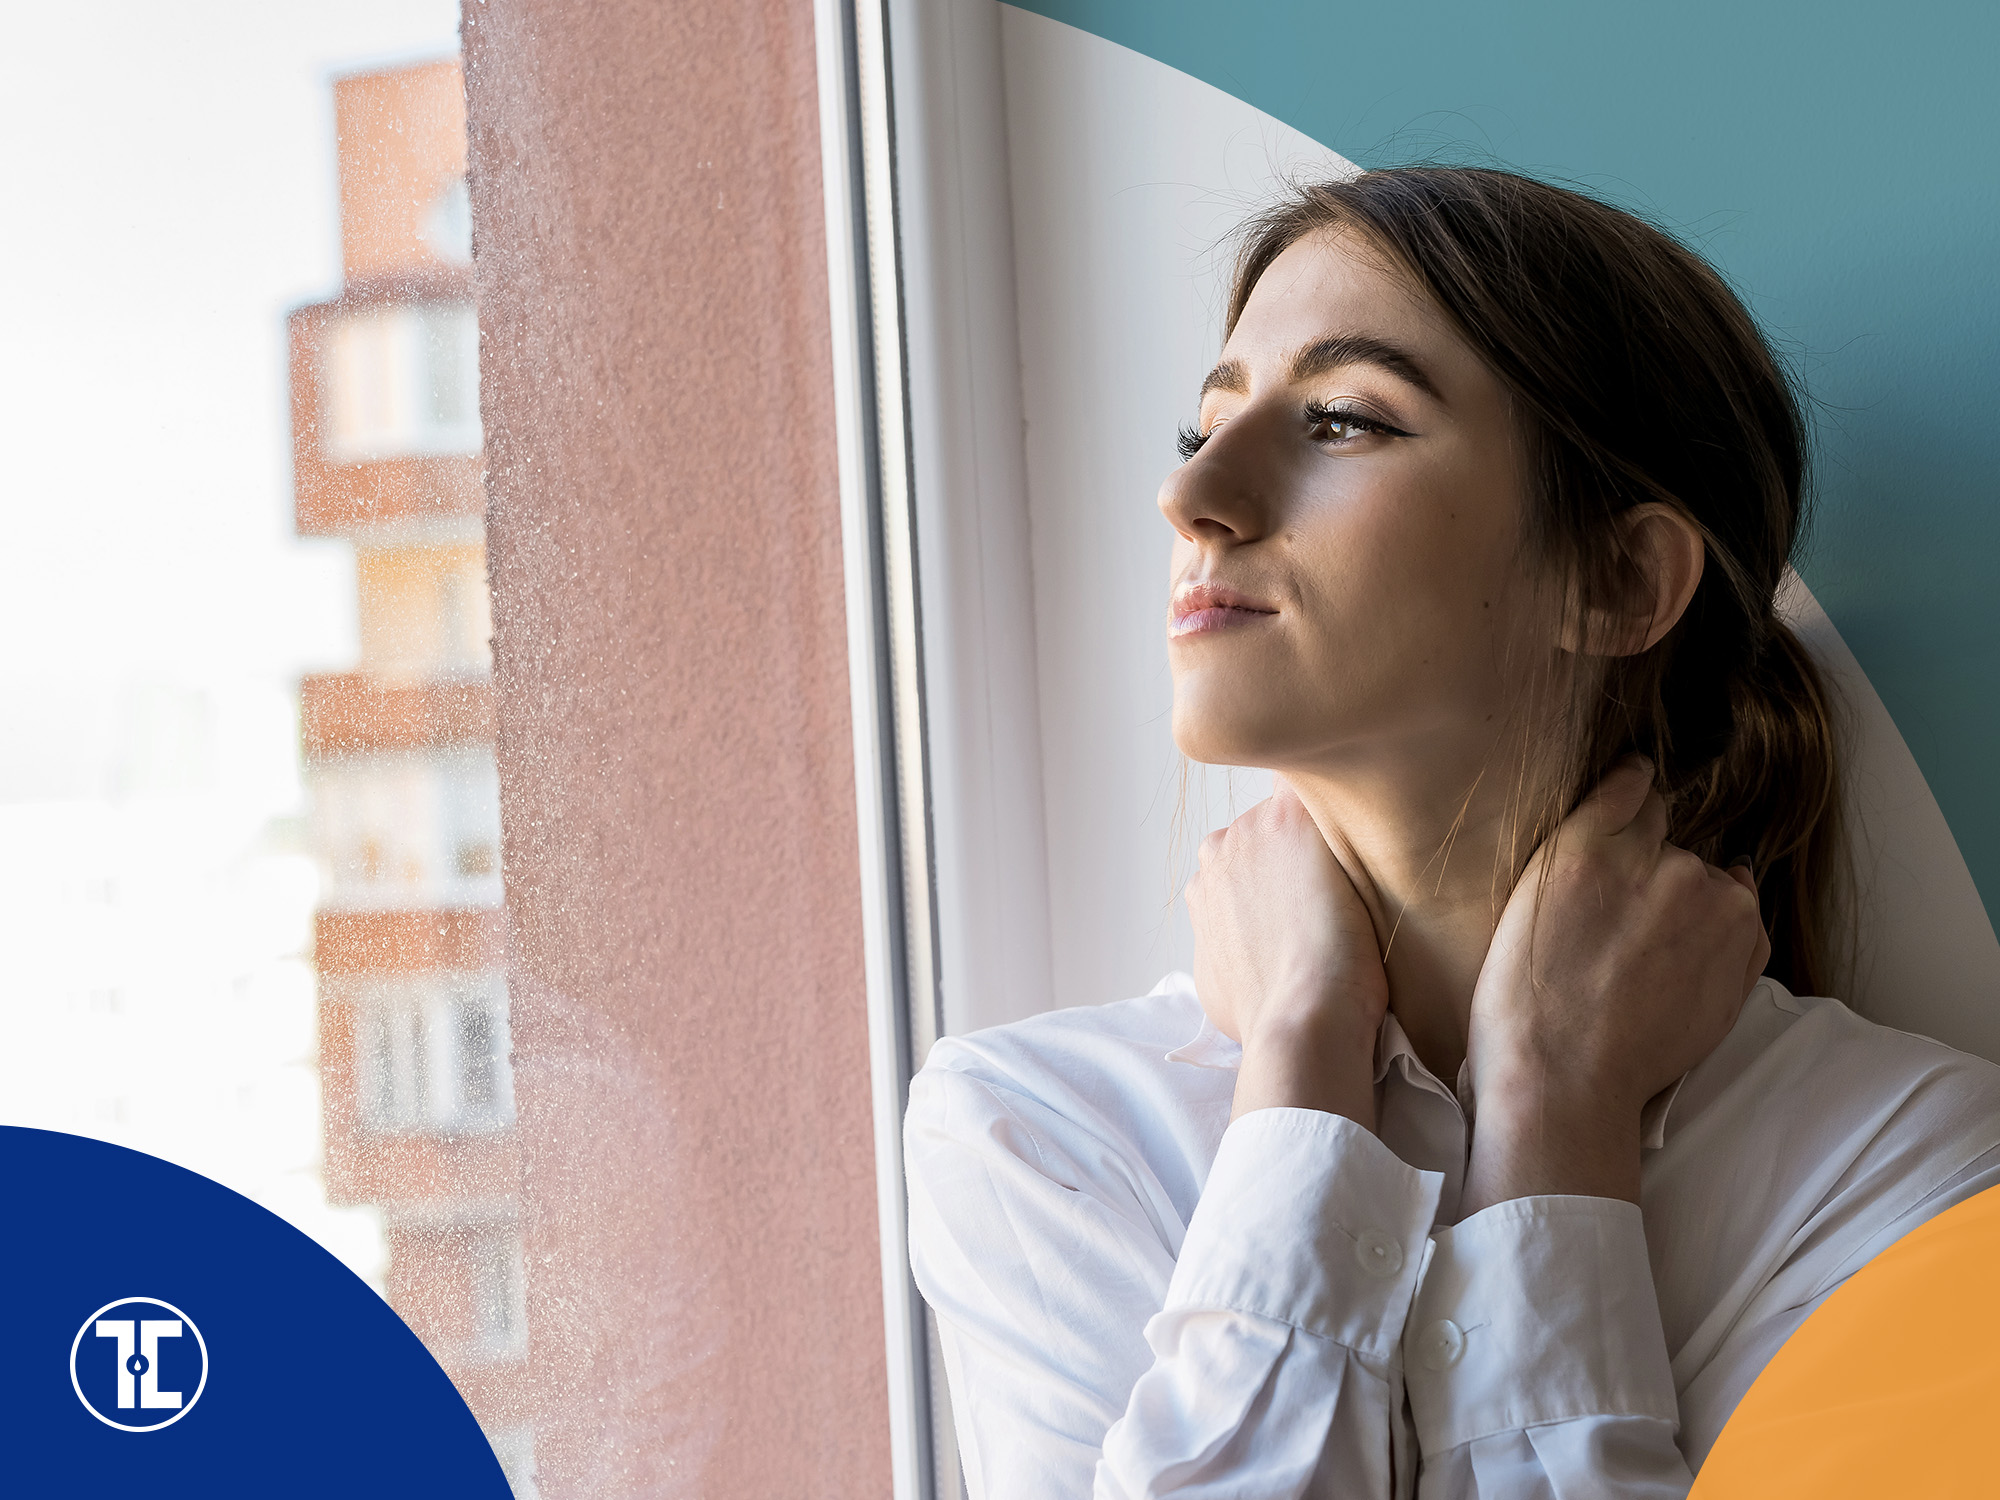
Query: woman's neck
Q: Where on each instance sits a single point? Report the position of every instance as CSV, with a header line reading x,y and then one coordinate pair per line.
x,y
1426,856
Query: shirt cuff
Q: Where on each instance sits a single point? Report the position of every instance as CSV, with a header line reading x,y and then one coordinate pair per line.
x,y
1532,1311
1308,1219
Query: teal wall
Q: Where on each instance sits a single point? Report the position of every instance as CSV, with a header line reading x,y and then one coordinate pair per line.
x,y
1836,161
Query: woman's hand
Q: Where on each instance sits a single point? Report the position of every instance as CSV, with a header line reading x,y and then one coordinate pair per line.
x,y
1619,963
1286,962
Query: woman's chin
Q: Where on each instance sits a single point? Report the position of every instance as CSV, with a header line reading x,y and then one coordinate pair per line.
x,y
1218,740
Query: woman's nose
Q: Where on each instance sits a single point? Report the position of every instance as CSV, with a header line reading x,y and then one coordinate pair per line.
x,y
1223,495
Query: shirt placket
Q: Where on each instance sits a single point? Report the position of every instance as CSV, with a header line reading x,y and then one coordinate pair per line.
x,y
1424,1123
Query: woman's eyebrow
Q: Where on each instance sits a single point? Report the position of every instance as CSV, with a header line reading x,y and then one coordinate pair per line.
x,y
1227,376
1339,349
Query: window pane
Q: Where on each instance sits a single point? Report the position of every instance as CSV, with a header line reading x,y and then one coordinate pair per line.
x,y
248,784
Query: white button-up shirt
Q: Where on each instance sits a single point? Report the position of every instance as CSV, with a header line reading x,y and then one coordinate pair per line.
x,y
1137,1297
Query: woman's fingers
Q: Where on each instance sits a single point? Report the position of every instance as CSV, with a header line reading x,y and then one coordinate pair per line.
x,y
1619,801
1759,960
1645,836
1760,955
1211,845
1681,941
1623,818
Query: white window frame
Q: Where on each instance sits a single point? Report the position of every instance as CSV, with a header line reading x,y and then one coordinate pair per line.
x,y
939,596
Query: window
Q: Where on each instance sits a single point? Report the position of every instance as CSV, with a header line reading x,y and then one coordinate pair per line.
x,y
448,223
499,1298
400,381
433,1054
480,1060
416,829
514,1446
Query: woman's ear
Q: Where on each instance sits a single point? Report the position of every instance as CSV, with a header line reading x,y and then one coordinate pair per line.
x,y
1666,554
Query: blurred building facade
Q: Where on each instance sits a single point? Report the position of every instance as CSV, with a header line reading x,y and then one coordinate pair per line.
x,y
409,938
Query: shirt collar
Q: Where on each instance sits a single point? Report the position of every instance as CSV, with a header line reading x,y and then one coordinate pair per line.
x,y
1209,1047
1653,1118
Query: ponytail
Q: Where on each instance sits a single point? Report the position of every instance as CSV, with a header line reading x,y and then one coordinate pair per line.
x,y
1773,794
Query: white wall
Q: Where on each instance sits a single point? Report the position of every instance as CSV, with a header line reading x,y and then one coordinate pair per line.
x,y
1127,177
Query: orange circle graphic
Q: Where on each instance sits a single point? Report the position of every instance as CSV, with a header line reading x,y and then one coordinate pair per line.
x,y
1886,1390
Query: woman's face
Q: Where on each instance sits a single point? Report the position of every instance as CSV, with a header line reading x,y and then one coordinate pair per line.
x,y
1348,575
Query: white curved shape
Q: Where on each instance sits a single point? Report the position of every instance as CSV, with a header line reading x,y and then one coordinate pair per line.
x,y
1928,960
1126,177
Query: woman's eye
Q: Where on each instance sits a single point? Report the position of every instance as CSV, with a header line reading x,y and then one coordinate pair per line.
x,y
1333,424
1326,424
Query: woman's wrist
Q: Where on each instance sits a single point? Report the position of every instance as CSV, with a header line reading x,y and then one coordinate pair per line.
x,y
1310,1056
1537,1134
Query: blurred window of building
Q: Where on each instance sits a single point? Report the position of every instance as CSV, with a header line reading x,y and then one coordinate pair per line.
x,y
406,829
401,380
448,223
395,1065
432,1052
480,1071
514,1446
499,1295
425,607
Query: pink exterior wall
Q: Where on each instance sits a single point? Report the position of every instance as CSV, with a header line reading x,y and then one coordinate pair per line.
x,y
690,1037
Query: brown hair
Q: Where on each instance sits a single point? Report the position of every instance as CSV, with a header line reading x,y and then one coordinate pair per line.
x,y
1638,376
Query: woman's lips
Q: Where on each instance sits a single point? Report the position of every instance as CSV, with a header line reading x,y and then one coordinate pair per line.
x,y
1201,608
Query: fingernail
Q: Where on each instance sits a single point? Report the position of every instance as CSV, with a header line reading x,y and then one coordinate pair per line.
x,y
1745,861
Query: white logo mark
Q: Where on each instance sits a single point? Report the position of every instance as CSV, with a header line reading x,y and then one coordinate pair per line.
x,y
151,1331
137,1342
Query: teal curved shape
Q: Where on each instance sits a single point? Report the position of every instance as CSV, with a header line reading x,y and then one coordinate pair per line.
x,y
1836,161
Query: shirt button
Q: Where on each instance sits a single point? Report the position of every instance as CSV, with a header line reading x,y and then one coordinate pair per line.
x,y
1378,1254
1443,1343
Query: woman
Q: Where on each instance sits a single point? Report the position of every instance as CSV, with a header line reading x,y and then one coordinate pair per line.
x,y
1490,1150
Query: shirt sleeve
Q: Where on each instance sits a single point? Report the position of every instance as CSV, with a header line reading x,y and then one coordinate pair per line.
x,y
1089,1354
1537,1363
